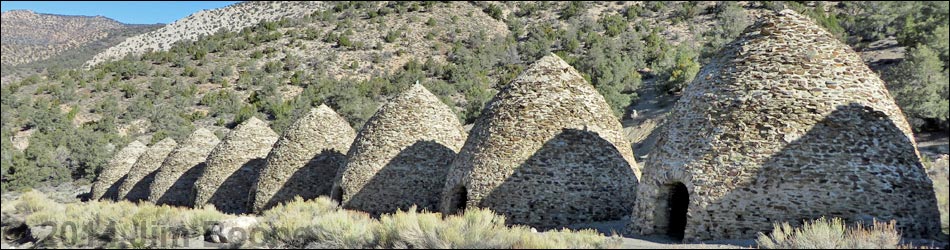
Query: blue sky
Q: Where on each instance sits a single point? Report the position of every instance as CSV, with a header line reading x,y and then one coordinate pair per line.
x,y
132,12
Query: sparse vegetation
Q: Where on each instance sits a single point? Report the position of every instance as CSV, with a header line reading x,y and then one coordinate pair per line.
x,y
107,224
921,86
832,234
318,223
331,226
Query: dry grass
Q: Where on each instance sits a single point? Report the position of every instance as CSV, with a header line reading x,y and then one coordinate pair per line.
x,y
96,224
321,223
832,234
318,223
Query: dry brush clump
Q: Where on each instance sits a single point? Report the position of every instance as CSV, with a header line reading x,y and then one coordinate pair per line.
x,y
832,234
109,224
321,223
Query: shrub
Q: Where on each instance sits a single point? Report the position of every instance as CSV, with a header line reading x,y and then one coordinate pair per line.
x,y
833,234
920,87
93,224
613,24
573,9
632,12
344,41
129,89
494,11
391,36
731,21
273,67
246,112
320,223
683,70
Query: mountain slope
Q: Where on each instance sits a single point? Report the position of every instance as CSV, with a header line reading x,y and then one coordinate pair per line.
x,y
29,37
207,22
353,56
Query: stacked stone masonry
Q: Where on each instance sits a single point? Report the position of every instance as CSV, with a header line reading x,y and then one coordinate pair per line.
x,y
547,152
174,183
305,160
140,177
232,168
400,157
787,124
113,175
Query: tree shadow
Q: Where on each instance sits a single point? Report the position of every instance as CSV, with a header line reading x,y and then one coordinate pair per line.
x,y
855,164
112,193
414,177
312,180
140,191
575,177
233,196
182,192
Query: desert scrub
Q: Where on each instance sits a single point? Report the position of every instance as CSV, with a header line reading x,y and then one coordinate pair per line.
x,y
318,223
832,234
96,224
321,223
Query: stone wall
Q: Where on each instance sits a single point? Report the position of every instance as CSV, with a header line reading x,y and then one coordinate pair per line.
x,y
113,175
140,177
787,124
175,181
232,168
400,157
305,160
547,151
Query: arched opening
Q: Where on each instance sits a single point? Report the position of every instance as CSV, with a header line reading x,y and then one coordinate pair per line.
x,y
336,194
671,207
458,200
679,203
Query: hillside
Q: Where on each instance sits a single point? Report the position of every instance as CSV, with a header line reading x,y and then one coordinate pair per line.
x,y
355,56
30,39
207,22
66,116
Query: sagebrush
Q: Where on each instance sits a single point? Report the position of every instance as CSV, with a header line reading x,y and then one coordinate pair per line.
x,y
319,223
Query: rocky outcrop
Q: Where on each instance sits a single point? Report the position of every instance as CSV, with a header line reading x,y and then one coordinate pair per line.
x,y
400,157
305,159
787,124
113,175
175,181
232,168
140,177
547,151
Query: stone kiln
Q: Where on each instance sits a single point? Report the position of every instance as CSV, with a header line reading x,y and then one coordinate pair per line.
x,y
787,124
174,183
547,151
135,186
113,175
400,157
232,168
305,160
